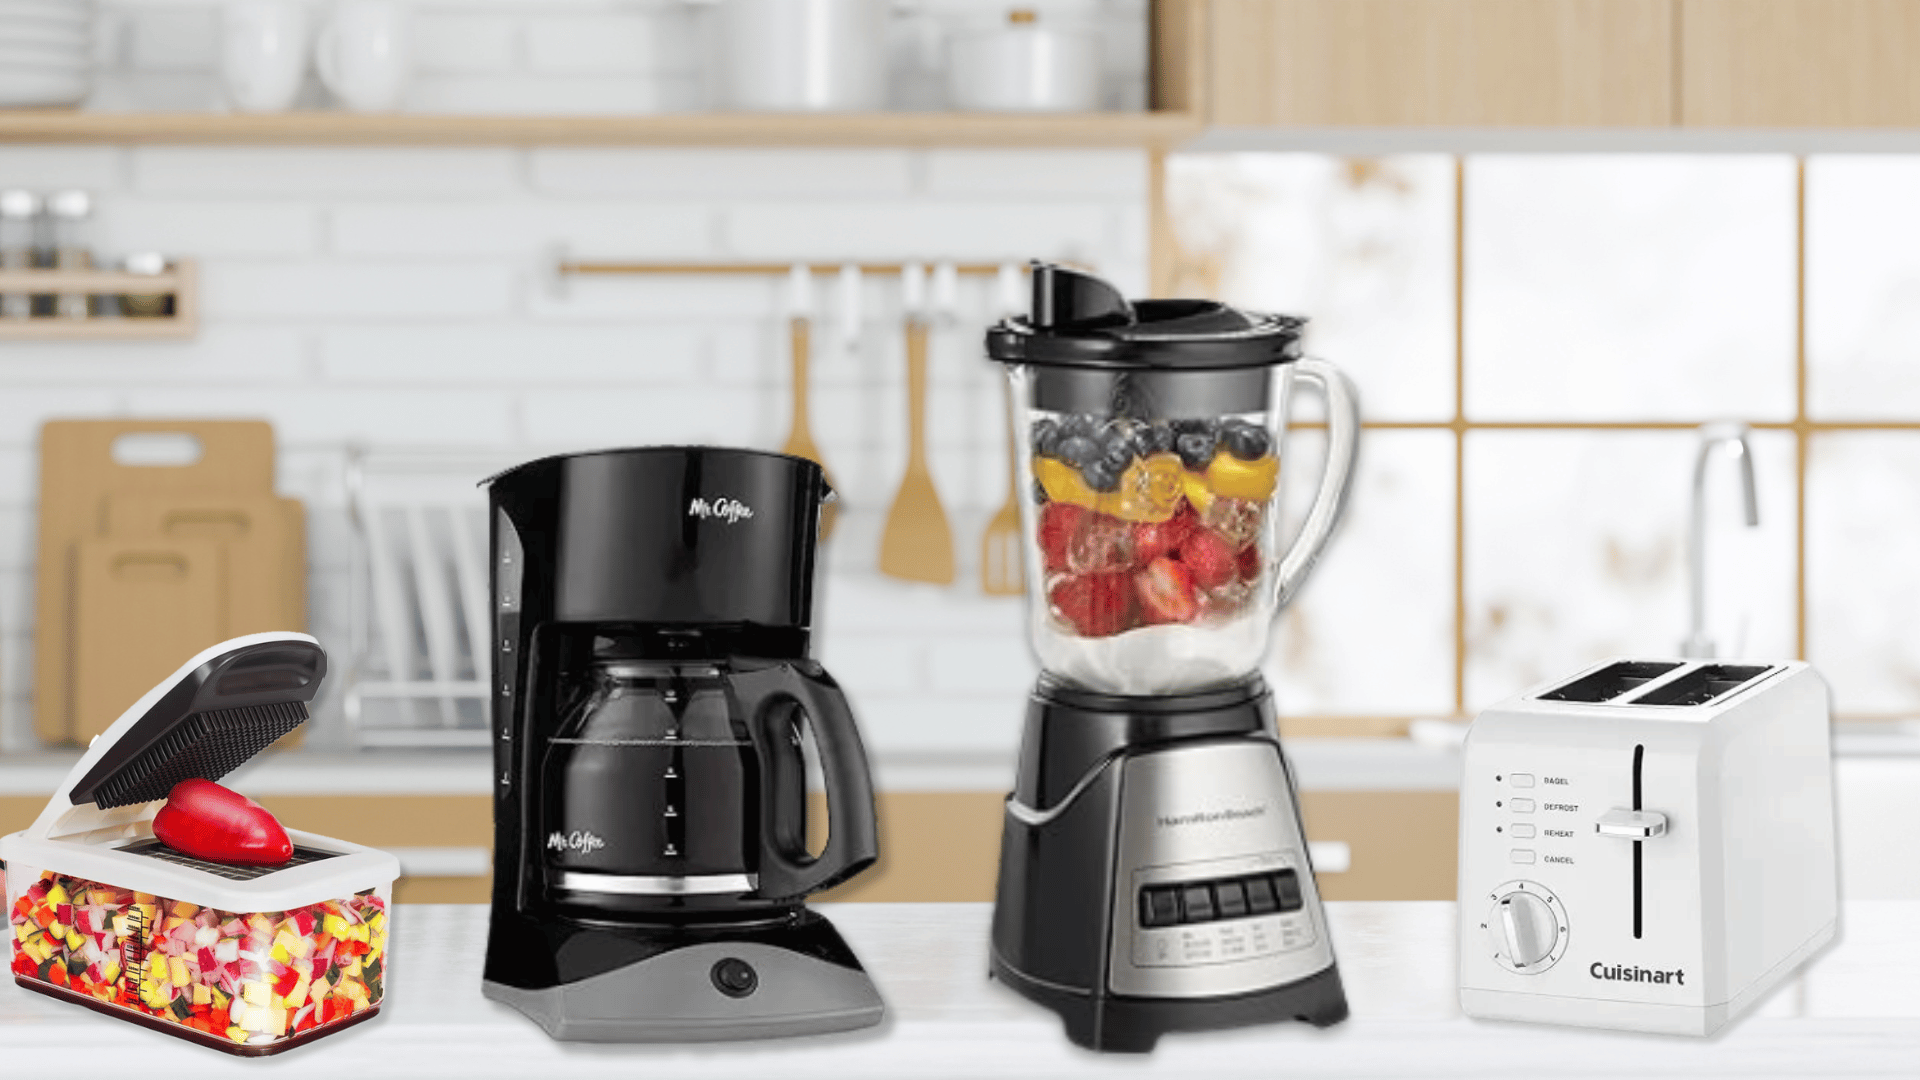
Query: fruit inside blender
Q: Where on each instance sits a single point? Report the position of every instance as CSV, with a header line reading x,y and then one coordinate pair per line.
x,y
1150,522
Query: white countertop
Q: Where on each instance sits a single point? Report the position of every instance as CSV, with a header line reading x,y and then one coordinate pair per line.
x,y
1854,1012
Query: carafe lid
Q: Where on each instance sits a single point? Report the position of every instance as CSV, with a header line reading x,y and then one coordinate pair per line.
x,y
1081,321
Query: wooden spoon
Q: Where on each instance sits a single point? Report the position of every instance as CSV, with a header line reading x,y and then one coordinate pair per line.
x,y
918,543
800,437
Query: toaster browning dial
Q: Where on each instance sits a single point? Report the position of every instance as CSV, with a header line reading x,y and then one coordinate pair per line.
x,y
1526,927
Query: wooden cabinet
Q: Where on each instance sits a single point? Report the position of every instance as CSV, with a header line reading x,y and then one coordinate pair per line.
x,y
1799,63
1401,63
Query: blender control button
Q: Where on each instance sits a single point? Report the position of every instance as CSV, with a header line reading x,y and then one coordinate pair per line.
x,y
1521,855
1520,832
1196,904
1286,888
1260,898
735,977
1230,899
1520,779
1520,806
1159,906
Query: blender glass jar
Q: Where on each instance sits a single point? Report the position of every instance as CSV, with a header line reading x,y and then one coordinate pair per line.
x,y
1154,435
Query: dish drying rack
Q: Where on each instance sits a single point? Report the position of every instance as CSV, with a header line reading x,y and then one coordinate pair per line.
x,y
418,618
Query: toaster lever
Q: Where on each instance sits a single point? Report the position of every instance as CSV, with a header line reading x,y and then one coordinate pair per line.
x,y
1631,824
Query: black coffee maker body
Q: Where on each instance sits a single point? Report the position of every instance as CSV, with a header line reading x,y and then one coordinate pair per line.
x,y
651,694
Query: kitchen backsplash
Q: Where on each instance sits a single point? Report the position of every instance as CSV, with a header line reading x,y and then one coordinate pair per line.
x,y
1522,500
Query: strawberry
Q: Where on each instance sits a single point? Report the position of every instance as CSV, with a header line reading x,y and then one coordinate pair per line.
x,y
1097,605
1166,592
1209,558
207,821
1151,541
1249,562
1058,523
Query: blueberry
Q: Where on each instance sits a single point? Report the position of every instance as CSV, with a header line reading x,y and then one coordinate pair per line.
x,y
1080,424
1077,450
1195,427
1119,443
1196,449
1248,442
1046,437
1157,438
1101,476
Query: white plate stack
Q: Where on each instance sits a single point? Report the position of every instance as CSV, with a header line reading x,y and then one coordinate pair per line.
x,y
46,51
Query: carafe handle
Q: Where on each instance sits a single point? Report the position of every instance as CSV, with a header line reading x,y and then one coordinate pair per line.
x,y
1343,445
786,870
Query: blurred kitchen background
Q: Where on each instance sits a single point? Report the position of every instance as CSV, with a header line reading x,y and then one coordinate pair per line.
x,y
1550,240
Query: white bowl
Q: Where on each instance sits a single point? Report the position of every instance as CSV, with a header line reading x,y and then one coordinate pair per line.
x,y
21,87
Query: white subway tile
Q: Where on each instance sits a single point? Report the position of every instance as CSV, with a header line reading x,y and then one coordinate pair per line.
x,y
219,354
721,173
203,228
531,355
861,600
906,724
183,38
620,230
374,416
23,409
463,42
97,168
983,665
288,171
422,290
18,528
684,414
874,663
19,463
919,230
721,297
16,604
628,43
518,94
1069,174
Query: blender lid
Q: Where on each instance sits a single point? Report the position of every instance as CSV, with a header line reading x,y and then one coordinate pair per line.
x,y
1079,320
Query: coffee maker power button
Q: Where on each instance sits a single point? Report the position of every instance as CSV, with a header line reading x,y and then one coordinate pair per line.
x,y
735,977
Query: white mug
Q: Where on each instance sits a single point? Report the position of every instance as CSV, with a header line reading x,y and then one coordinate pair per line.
x,y
263,53
365,54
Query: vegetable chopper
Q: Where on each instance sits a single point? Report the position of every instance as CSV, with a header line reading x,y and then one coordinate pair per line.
x,y
247,959
1153,872
1647,845
652,691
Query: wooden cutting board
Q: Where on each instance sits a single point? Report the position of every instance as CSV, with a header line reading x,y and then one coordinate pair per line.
x,y
264,541
78,471
141,609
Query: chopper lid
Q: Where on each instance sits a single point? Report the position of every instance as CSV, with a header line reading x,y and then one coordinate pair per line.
x,y
1081,321
205,720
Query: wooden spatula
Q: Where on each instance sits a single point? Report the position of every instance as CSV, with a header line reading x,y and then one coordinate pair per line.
x,y
1001,567
918,543
800,436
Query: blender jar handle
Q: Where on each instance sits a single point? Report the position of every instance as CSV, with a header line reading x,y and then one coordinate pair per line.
x,y
786,870
1343,445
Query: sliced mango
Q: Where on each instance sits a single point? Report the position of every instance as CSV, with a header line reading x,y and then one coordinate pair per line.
x,y
1236,479
1195,487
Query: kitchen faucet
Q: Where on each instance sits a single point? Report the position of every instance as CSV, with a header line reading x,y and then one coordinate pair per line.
x,y
1712,436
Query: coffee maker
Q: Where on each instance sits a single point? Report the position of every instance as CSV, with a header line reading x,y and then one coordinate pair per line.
x,y
1154,876
651,694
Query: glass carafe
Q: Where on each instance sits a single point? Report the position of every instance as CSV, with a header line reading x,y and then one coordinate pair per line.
x,y
1153,443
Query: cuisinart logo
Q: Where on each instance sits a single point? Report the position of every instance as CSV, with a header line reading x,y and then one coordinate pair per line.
x,y
727,510
1210,817
582,842
1623,973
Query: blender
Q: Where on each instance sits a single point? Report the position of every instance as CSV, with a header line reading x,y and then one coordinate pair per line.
x,y
1154,875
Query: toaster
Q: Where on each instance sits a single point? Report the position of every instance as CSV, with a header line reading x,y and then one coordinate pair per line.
x,y
1648,845
251,960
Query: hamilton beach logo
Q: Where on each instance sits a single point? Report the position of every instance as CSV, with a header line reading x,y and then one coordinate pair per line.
x,y
1210,817
1623,973
730,511
582,842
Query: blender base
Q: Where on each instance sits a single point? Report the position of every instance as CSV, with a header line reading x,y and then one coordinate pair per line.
x,y
1131,1025
768,983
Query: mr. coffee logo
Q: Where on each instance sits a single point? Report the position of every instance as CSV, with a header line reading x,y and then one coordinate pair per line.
x,y
1626,973
727,510
1210,817
579,841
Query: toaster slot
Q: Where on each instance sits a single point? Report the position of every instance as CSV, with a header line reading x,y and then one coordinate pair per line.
x,y
1701,685
1612,681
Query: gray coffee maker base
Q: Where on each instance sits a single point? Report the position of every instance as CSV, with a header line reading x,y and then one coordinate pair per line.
x,y
684,996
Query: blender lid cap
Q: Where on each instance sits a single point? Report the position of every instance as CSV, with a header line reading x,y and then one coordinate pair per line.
x,y
1079,320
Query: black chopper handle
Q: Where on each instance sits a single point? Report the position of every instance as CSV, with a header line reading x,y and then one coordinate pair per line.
x,y
786,870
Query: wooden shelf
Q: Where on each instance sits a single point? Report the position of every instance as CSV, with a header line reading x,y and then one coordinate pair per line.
x,y
181,280
1143,129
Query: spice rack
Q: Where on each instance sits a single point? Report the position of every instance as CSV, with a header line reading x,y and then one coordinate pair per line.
x,y
179,280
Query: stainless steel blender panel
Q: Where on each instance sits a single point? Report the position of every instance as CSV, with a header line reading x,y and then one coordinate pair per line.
x,y
1199,813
